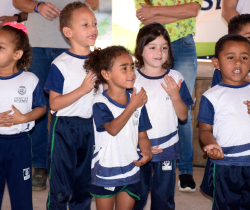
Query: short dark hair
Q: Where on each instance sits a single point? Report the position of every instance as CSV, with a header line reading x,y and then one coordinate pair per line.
x,y
21,42
223,40
149,33
65,17
103,59
237,22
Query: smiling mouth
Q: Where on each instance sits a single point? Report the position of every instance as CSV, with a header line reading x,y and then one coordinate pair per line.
x,y
158,59
131,80
237,71
92,36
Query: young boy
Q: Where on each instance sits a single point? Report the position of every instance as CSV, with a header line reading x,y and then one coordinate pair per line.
x,y
71,92
239,24
224,127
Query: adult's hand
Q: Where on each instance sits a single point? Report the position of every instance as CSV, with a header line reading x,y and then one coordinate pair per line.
x,y
49,11
146,12
6,19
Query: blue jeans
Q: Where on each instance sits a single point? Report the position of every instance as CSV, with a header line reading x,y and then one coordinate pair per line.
x,y
41,61
185,61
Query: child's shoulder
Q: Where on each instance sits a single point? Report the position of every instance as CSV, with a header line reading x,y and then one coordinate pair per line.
x,y
100,98
30,75
175,74
61,59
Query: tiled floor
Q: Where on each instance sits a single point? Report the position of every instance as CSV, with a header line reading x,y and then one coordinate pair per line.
x,y
184,201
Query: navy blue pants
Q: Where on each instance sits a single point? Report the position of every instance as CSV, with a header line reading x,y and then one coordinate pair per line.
x,y
70,150
162,185
15,167
228,185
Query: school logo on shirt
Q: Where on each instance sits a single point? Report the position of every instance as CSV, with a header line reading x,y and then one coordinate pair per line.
x,y
136,120
22,90
167,98
26,173
136,113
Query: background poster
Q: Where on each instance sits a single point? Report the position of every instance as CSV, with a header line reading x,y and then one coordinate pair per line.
x,y
210,26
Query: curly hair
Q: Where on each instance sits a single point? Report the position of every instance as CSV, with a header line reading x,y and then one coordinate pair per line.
x,y
21,42
149,33
236,23
103,59
65,17
223,40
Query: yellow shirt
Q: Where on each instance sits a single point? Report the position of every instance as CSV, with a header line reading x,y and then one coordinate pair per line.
x,y
180,28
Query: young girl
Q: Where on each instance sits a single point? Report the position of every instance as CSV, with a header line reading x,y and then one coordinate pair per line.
x,y
22,102
120,122
168,98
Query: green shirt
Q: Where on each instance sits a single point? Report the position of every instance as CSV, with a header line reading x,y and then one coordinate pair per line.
x,y
180,28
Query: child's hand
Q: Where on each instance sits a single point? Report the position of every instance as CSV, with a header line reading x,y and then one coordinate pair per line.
x,y
18,117
137,100
247,78
214,151
248,106
145,159
88,82
156,151
172,88
5,119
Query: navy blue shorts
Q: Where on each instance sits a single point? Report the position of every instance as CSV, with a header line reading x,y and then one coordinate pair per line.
x,y
228,185
133,191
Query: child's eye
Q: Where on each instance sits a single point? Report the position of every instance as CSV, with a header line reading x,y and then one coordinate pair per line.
x,y
244,58
124,68
152,48
165,48
95,24
231,57
85,24
132,67
1,47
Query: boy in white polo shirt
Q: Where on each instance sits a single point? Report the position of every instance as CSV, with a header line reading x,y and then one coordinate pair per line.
x,y
224,127
71,138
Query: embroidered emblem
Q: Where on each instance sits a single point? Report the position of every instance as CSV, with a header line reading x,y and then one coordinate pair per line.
x,y
22,90
26,173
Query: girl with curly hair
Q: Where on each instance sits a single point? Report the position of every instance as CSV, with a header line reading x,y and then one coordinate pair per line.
x,y
120,124
22,102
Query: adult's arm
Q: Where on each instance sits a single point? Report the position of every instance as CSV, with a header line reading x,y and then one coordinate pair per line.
x,y
183,11
229,9
94,4
6,19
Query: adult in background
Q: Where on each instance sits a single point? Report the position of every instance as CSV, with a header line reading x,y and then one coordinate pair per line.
x,y
231,8
47,43
178,17
8,13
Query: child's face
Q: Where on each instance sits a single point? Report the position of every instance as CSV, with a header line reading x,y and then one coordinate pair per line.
x,y
155,53
233,62
245,31
122,74
84,27
7,49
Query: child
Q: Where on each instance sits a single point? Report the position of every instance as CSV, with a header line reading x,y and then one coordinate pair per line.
x,y
168,100
224,126
71,138
239,24
121,122
22,102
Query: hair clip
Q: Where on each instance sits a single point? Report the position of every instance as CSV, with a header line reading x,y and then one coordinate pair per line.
x,y
16,25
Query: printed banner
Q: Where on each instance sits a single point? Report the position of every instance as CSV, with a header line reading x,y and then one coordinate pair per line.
x,y
210,26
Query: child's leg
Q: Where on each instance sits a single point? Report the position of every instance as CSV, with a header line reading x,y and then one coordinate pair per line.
x,y
245,189
228,181
163,185
2,168
62,161
124,202
81,198
146,178
18,171
105,203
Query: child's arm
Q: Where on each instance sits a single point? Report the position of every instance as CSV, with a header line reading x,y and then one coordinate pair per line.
x,y
248,106
19,118
213,150
58,101
5,118
136,100
173,90
145,147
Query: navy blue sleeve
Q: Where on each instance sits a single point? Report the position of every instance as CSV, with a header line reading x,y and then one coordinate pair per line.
x,y
185,95
55,80
144,122
217,78
102,115
38,97
206,111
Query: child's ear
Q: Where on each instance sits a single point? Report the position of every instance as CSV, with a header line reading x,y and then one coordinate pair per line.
x,y
67,32
105,75
18,54
215,62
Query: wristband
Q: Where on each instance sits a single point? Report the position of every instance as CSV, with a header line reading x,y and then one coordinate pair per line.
x,y
19,19
36,7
